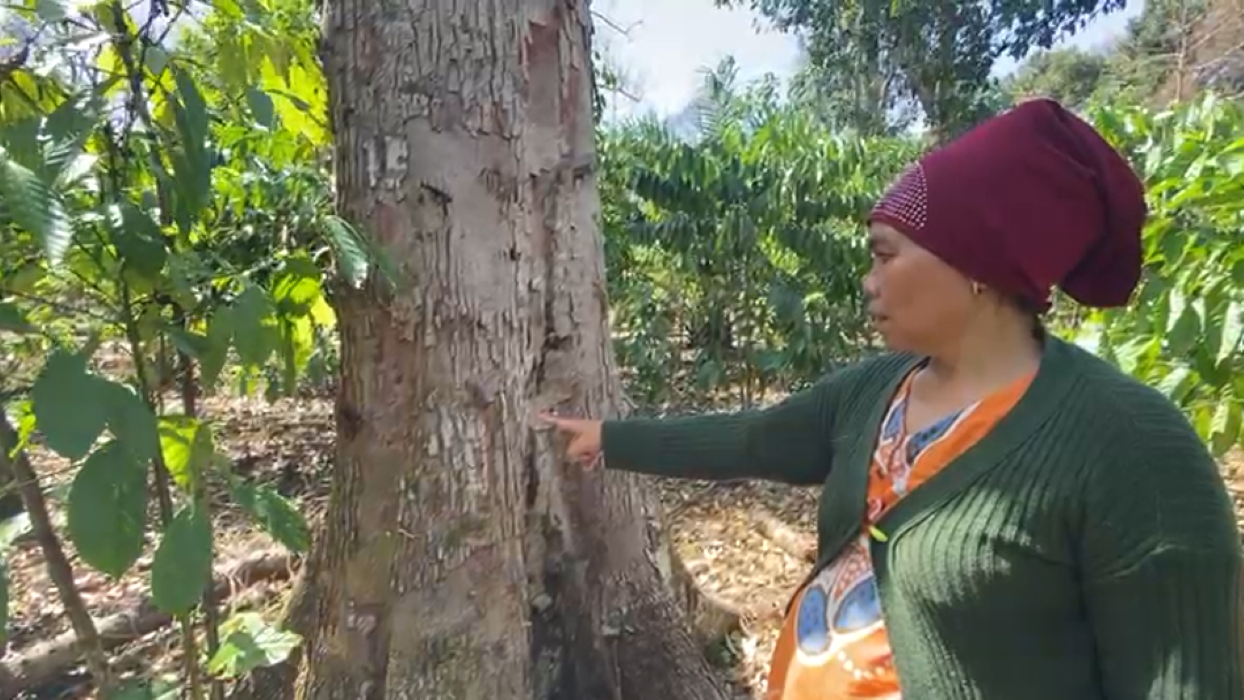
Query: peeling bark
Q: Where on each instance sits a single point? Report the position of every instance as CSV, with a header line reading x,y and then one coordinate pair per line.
x,y
462,557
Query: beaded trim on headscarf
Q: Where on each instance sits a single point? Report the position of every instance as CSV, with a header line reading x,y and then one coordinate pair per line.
x,y
907,200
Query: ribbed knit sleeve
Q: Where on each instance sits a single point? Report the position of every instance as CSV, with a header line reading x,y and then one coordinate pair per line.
x,y
1162,562
787,442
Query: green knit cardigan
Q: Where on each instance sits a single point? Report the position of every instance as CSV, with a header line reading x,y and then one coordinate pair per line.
x,y
1084,549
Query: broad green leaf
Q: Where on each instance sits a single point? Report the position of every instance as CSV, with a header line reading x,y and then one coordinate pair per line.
x,y
1176,383
1232,341
69,404
276,515
254,329
155,57
297,346
34,206
261,106
192,344
63,162
196,108
140,241
322,313
192,166
296,288
108,509
14,319
1131,353
1225,426
249,642
130,420
1183,335
182,566
50,10
188,446
31,272
218,339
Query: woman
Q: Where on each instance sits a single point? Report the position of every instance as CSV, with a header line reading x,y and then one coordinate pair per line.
x,y
1003,515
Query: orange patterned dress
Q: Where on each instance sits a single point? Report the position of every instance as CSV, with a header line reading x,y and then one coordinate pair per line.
x,y
833,644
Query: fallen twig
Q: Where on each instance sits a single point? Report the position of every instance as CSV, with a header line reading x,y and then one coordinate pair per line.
x,y
42,662
85,635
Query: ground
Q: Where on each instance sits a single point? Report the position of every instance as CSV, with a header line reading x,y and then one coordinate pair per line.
x,y
717,529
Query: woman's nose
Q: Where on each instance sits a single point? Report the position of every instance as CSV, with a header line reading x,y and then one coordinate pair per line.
x,y
870,286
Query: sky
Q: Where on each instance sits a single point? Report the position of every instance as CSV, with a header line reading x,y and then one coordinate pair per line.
x,y
668,42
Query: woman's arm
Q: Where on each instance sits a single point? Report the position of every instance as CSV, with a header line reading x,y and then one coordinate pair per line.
x,y
1162,568
788,442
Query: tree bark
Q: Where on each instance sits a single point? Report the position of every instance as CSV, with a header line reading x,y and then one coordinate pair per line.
x,y
462,557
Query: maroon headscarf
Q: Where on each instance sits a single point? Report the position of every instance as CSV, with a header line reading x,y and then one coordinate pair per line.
x,y
1031,199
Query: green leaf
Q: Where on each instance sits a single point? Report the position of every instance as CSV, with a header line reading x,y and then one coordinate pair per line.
x,y
1131,353
350,250
276,515
249,642
34,206
24,279
50,10
14,319
219,336
155,57
191,165
194,345
66,130
1176,383
188,446
196,108
296,287
108,509
25,422
254,331
182,565
1225,426
1184,334
69,404
297,346
130,420
140,241
261,106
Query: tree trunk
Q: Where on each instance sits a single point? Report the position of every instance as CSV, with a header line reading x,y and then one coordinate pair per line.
x,y
462,558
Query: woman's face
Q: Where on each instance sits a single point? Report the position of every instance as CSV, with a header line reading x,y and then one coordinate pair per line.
x,y
918,303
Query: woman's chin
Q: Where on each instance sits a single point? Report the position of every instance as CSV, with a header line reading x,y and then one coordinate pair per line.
x,y
893,341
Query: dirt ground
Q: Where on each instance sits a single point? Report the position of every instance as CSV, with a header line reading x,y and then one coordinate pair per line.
x,y
716,529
